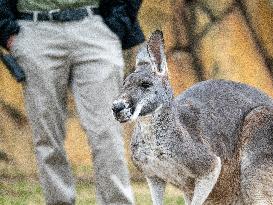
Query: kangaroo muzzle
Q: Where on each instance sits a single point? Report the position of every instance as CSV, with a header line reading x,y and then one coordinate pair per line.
x,y
122,110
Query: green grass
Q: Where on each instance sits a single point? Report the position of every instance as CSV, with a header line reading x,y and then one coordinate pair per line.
x,y
28,192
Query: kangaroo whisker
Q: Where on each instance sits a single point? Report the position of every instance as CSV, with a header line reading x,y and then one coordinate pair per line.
x,y
137,111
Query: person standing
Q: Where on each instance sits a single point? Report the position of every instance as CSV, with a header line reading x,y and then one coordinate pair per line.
x,y
81,42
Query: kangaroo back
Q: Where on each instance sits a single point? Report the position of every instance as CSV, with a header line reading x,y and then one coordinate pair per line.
x,y
216,110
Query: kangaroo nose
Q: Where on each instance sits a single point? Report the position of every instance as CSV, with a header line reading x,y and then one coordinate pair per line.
x,y
118,106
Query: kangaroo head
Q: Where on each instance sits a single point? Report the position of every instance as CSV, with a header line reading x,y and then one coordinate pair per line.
x,y
148,87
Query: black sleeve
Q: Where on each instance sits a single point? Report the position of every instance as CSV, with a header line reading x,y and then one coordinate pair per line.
x,y
131,7
8,24
121,17
115,16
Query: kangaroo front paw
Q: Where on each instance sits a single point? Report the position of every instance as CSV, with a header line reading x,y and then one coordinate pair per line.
x,y
157,188
205,184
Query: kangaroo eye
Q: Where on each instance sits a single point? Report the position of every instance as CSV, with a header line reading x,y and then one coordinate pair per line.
x,y
146,84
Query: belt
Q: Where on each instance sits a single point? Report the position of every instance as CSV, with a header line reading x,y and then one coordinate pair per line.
x,y
59,15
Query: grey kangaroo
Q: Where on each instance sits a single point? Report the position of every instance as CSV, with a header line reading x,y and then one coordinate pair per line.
x,y
214,141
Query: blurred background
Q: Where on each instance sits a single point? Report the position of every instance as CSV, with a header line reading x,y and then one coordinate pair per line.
x,y
205,39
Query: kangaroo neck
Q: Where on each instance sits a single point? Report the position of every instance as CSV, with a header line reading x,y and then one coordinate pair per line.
x,y
163,124
166,114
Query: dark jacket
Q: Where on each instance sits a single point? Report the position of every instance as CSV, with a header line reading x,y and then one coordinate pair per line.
x,y
119,15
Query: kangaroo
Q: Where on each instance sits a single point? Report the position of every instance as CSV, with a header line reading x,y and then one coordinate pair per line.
x,y
214,141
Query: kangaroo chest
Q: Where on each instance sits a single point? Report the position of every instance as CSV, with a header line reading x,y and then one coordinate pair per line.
x,y
153,155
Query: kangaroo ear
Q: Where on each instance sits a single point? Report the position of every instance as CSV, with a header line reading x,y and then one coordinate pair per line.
x,y
155,49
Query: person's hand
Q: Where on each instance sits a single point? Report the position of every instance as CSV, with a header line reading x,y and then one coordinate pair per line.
x,y
10,42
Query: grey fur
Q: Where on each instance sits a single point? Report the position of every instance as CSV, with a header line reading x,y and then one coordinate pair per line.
x,y
214,126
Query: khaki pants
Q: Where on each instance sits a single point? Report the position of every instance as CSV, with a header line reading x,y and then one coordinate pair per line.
x,y
91,54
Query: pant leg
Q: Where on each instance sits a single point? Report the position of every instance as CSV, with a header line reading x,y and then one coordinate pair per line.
x,y
97,75
40,50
